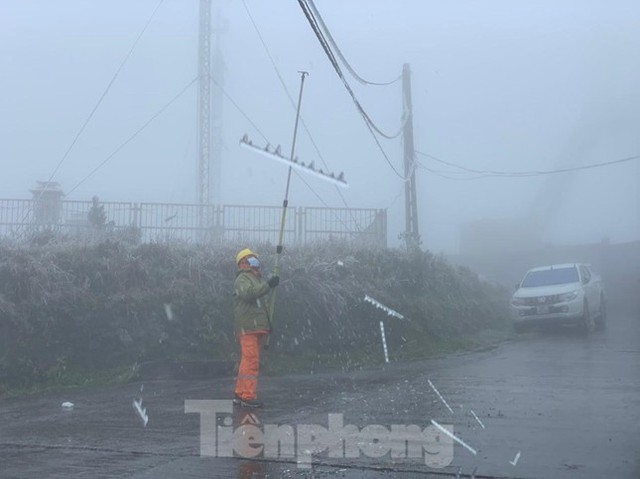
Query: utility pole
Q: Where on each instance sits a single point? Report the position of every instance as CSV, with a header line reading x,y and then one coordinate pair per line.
x,y
204,106
412,233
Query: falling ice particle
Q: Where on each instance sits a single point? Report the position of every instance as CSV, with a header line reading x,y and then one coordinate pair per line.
x,y
67,405
440,396
142,412
515,459
168,311
477,419
340,263
384,342
455,438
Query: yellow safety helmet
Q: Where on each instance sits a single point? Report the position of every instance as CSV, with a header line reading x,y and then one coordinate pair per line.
x,y
243,254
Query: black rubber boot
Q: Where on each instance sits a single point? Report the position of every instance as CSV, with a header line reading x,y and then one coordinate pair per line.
x,y
251,403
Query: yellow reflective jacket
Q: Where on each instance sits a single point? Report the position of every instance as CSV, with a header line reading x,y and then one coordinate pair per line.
x,y
250,303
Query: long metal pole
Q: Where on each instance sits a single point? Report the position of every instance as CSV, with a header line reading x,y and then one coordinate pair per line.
x,y
285,203
412,232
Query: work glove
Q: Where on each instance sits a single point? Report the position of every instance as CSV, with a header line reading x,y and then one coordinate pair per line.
x,y
273,281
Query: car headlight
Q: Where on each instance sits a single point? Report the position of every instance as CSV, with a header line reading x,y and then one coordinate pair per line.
x,y
518,302
569,296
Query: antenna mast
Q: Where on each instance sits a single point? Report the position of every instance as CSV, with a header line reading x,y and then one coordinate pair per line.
x,y
204,106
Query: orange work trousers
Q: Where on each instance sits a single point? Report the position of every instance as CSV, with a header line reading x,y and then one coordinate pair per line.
x,y
247,381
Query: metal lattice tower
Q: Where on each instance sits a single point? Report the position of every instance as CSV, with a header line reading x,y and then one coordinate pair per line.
x,y
204,103
217,104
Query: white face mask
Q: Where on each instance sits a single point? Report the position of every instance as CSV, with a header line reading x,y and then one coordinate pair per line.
x,y
253,262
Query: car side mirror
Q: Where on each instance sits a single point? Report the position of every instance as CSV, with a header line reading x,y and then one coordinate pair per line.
x,y
517,286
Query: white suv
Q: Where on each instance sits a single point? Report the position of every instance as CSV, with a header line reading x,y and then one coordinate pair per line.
x,y
559,294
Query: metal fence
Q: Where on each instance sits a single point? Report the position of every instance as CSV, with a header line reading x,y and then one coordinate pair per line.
x,y
197,223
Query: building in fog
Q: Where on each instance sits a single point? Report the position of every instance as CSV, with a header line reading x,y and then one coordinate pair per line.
x,y
47,203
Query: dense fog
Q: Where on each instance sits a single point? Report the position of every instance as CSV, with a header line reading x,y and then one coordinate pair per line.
x,y
497,86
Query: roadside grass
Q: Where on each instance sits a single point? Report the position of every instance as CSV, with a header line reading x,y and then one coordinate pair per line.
x,y
276,363
279,364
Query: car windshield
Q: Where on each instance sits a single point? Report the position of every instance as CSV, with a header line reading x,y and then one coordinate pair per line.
x,y
550,276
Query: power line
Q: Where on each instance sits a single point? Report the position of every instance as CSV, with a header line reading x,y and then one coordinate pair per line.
x,y
97,105
325,203
284,85
327,49
252,123
342,57
104,93
368,122
395,198
179,182
134,135
293,105
524,174
446,174
240,110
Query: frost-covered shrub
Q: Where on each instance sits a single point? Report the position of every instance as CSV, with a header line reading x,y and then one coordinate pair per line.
x,y
115,303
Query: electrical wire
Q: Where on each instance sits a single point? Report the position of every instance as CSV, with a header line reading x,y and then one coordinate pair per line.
x,y
446,174
293,105
522,174
368,122
339,52
284,85
340,220
395,198
338,190
253,124
240,110
134,135
313,22
104,93
190,142
95,108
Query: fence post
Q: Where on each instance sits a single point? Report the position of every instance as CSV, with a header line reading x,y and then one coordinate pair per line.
x,y
220,223
136,216
300,236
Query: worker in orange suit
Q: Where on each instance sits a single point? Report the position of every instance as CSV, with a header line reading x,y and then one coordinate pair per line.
x,y
251,322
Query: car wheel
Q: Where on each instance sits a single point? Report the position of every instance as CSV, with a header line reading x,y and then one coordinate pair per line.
x,y
602,314
588,325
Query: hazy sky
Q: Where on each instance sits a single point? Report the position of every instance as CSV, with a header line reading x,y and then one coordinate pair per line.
x,y
497,85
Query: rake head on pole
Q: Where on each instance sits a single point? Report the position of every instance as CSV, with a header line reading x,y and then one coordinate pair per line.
x,y
275,154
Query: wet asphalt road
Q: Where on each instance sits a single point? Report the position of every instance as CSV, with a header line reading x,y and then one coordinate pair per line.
x,y
569,404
